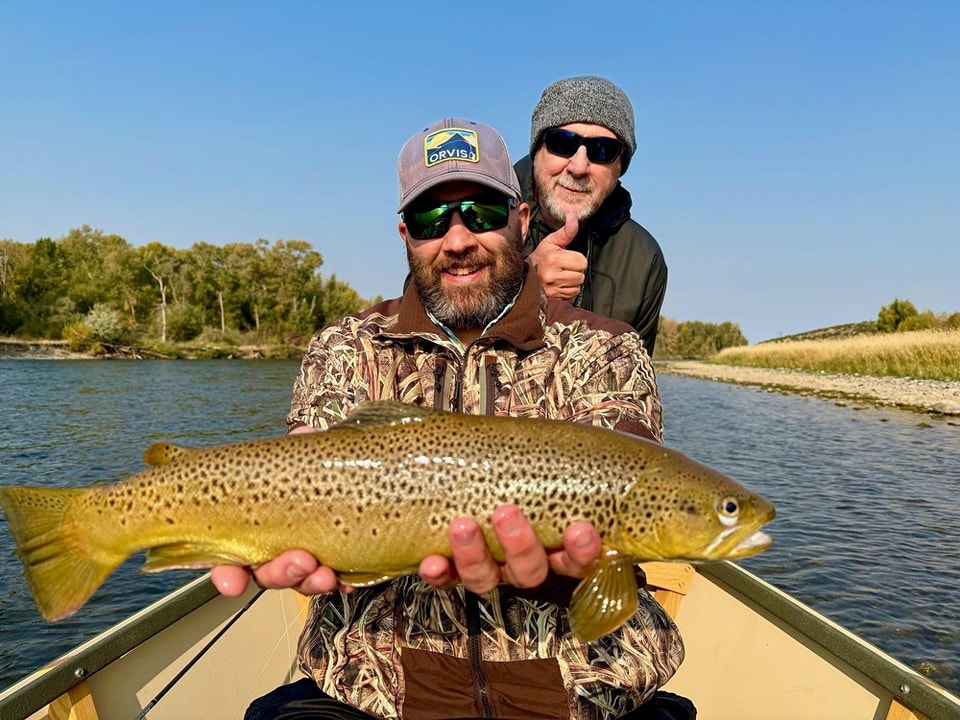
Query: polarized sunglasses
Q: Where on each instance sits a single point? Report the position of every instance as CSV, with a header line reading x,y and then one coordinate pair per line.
x,y
427,222
566,143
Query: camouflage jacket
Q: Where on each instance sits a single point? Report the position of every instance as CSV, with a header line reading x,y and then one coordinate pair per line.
x,y
542,358
405,649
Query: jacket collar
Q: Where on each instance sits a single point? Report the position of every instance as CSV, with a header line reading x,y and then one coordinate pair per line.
x,y
521,326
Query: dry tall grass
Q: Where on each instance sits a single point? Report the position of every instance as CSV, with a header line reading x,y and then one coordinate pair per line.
x,y
927,354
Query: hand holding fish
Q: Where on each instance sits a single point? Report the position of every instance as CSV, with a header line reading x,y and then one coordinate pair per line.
x,y
526,561
526,564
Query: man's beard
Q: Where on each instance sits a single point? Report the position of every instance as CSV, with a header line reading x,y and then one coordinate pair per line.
x,y
475,305
557,209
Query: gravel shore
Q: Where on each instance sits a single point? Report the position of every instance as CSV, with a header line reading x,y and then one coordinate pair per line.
x,y
933,397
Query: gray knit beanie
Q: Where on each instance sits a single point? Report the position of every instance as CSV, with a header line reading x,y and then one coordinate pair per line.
x,y
588,99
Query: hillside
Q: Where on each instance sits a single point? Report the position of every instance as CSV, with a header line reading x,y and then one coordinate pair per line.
x,y
867,327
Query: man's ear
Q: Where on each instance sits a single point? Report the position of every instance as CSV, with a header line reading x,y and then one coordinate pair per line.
x,y
402,229
523,213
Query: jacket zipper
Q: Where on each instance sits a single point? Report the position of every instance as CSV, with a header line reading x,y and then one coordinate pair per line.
x,y
476,655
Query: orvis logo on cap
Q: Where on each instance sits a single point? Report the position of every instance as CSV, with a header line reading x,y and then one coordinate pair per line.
x,y
451,144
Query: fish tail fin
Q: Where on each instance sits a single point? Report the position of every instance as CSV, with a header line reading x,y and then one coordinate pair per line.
x,y
60,578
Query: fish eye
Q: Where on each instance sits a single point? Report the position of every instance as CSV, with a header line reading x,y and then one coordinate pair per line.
x,y
729,507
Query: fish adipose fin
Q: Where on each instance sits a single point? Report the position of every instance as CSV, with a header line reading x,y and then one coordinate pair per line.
x,y
366,579
162,453
378,413
605,599
60,579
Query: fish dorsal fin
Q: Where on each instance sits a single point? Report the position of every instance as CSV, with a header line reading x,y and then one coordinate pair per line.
x,y
605,599
162,453
378,413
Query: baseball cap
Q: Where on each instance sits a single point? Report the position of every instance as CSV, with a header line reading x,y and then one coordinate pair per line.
x,y
455,149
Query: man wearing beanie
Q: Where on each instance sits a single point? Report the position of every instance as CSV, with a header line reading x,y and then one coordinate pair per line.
x,y
582,240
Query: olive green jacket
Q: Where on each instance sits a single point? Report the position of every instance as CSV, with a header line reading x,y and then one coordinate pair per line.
x,y
626,272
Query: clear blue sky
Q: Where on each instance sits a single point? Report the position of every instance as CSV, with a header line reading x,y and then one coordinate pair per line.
x,y
799,162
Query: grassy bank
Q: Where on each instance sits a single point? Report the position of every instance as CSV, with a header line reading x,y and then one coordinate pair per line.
x,y
924,354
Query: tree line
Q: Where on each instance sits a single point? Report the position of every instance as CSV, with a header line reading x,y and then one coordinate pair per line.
x,y
89,287
94,288
694,339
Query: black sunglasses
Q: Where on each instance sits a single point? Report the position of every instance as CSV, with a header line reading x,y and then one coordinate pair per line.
x,y
427,222
566,143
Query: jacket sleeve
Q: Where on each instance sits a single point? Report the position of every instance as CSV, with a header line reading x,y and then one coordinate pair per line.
x,y
647,321
617,388
329,381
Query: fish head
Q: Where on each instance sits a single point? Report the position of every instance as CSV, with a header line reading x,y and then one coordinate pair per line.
x,y
679,509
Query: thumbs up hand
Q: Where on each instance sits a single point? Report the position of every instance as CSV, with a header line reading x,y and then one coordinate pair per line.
x,y
561,271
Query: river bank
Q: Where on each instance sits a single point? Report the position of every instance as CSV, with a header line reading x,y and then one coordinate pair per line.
x,y
933,397
17,349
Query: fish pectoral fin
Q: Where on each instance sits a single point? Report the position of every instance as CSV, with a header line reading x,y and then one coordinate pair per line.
x,y
378,413
162,453
605,599
188,555
360,578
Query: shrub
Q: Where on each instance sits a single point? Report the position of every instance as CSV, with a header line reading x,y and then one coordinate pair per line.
x,y
184,322
105,324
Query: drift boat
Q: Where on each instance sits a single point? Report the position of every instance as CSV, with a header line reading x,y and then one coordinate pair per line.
x,y
753,652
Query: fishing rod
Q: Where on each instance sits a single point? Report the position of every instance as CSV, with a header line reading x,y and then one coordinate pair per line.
x,y
193,661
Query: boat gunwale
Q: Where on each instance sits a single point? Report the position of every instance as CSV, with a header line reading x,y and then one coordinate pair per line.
x,y
923,695
43,686
906,685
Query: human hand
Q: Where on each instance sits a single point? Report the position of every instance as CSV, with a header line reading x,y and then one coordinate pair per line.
x,y
561,271
296,569
526,562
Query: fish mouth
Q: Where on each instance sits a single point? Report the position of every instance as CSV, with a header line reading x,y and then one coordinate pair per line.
x,y
755,543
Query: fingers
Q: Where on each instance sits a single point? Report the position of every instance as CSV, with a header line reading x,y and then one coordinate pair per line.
x,y
570,229
296,569
439,572
475,567
525,560
230,580
581,550
561,271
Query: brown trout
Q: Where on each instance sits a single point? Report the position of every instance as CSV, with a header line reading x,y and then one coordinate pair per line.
x,y
374,495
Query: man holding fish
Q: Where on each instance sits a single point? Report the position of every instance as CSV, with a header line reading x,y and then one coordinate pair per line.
x,y
489,473
474,333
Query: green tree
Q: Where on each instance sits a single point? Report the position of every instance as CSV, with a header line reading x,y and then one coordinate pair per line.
x,y
336,300
892,316
99,268
921,321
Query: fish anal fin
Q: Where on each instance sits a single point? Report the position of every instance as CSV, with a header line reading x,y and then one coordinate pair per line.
x,y
360,578
189,555
162,453
605,599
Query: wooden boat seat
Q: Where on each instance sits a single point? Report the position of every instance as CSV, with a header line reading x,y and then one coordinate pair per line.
x,y
669,582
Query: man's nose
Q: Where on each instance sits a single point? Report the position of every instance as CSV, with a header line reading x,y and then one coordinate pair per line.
x,y
578,164
459,237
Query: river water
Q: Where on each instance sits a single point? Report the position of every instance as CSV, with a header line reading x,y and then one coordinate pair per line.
x,y
868,501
